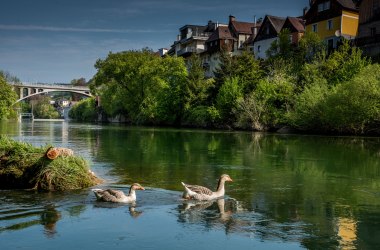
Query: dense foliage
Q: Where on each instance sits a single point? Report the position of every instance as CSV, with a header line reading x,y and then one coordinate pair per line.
x,y
84,110
303,87
7,98
42,108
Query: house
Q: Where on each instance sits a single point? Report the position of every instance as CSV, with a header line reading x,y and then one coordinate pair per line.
x,y
220,40
369,27
241,31
191,39
229,38
162,51
296,27
267,34
332,19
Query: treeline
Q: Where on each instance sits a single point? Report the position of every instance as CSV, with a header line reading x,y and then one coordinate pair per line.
x,y
7,96
305,87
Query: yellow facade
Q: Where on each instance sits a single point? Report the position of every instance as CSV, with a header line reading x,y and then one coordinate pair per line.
x,y
347,24
350,23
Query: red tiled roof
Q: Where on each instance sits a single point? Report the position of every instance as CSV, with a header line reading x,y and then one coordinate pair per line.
x,y
222,32
277,22
243,27
297,23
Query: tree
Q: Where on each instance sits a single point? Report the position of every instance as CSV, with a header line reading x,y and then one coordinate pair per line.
x,y
9,77
137,83
196,90
7,98
79,82
352,106
84,110
228,98
243,66
281,47
43,109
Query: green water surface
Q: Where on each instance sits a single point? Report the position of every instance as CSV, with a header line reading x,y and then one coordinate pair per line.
x,y
288,191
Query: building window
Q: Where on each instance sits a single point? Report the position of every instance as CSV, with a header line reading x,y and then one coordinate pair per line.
x,y
330,44
267,31
314,27
329,24
324,6
241,43
259,48
373,31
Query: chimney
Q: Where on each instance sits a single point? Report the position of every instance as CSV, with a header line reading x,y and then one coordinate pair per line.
x,y
255,26
232,18
305,11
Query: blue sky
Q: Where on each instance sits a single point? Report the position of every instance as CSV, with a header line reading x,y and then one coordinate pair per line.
x,y
55,41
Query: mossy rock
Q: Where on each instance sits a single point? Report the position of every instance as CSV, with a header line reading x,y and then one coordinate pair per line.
x,y
23,166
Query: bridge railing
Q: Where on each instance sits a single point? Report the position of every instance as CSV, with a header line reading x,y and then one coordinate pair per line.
x,y
50,86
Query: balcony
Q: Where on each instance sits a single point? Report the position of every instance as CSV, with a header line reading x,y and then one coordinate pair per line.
x,y
194,35
189,50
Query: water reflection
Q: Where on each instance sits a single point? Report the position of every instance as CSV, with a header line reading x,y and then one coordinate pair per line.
x,y
131,207
20,210
211,214
322,192
49,218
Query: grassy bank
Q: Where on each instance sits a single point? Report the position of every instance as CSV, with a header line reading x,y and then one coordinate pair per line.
x,y
27,167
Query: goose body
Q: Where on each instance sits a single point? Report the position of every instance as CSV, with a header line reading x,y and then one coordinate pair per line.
x,y
111,195
201,193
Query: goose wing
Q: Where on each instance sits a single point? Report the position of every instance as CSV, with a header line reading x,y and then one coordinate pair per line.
x,y
108,195
199,189
115,193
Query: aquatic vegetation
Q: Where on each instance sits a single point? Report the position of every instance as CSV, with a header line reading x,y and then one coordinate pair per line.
x,y
25,166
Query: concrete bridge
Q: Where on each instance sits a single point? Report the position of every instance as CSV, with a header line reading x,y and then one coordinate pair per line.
x,y
27,90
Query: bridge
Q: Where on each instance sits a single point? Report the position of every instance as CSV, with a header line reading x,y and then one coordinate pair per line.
x,y
27,90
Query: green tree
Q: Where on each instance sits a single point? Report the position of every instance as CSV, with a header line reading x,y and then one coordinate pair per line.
x,y
133,83
79,82
7,98
310,47
265,107
281,47
349,107
227,100
249,71
243,66
43,109
196,92
84,110
344,63
9,77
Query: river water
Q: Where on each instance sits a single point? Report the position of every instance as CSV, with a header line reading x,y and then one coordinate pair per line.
x,y
289,191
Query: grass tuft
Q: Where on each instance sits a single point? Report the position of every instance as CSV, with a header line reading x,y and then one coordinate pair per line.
x,y
25,166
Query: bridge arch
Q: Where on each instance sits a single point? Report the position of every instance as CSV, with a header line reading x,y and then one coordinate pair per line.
x,y
53,90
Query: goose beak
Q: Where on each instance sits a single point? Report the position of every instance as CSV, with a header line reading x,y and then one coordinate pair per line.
x,y
229,179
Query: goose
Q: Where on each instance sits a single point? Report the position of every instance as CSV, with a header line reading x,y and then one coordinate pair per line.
x,y
200,193
112,195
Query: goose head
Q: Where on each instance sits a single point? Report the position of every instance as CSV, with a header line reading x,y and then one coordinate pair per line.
x,y
136,186
225,177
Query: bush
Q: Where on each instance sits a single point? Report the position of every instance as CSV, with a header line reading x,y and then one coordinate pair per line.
x,y
84,110
349,107
227,99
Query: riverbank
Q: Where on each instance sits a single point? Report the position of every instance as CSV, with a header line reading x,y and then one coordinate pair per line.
x,y
23,166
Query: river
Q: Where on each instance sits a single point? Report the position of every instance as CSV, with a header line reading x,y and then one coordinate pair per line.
x,y
288,191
